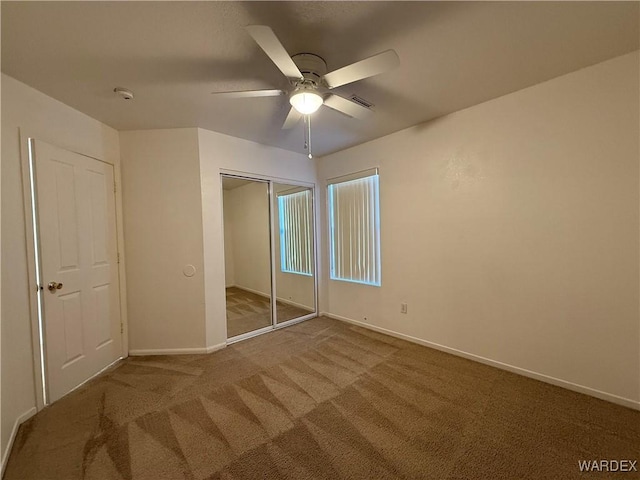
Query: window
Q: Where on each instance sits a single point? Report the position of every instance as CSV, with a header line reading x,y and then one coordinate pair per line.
x,y
296,227
354,228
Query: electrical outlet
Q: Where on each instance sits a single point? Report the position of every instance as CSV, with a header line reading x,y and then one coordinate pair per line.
x,y
403,308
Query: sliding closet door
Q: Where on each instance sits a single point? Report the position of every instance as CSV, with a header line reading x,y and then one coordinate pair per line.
x,y
247,255
294,264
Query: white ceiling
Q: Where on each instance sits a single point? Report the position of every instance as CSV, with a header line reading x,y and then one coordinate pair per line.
x,y
173,54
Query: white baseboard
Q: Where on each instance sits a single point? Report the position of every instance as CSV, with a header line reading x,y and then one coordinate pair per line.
x,y
294,304
19,421
293,321
177,351
214,348
167,351
251,290
278,299
626,402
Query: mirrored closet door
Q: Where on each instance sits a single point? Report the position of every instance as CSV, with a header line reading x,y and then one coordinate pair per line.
x,y
294,252
269,255
247,255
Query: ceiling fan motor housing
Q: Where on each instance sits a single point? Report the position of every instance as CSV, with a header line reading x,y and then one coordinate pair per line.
x,y
312,68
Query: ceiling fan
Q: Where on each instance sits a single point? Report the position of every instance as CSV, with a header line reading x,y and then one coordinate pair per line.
x,y
311,84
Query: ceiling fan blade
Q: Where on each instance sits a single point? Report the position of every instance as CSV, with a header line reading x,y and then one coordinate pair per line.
x,y
347,107
292,119
363,69
249,93
268,41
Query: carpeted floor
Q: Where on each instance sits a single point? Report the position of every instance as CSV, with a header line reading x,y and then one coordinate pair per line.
x,y
320,400
247,311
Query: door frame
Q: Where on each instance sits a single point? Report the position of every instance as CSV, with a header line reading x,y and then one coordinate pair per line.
x,y
272,255
37,335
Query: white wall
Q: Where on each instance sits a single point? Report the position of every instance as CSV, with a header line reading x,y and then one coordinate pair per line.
x,y
222,152
229,270
294,288
163,224
246,210
511,230
51,121
173,217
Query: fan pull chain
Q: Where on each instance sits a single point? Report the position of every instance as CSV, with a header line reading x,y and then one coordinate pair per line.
x,y
304,120
309,135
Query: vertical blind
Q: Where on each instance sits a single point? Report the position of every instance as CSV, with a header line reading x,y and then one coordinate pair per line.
x,y
294,215
354,223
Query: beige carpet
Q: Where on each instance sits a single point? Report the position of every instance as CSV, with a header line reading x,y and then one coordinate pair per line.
x,y
247,311
320,400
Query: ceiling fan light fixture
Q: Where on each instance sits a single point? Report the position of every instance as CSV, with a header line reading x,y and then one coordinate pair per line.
x,y
306,101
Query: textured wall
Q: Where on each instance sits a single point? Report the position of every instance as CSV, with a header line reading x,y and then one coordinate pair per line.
x,y
46,119
511,230
163,235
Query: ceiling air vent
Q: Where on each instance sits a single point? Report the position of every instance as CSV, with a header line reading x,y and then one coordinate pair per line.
x,y
361,101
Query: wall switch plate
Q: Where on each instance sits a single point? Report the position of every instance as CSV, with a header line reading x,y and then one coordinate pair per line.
x,y
403,308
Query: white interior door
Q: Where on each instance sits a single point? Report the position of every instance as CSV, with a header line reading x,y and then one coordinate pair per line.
x,y
79,272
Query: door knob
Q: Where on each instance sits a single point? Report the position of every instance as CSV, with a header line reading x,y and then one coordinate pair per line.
x,y
53,286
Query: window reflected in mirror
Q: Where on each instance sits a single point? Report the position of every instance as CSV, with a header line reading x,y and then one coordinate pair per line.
x,y
295,268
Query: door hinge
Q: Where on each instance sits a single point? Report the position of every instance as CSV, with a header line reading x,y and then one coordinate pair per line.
x,y
121,328
118,257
